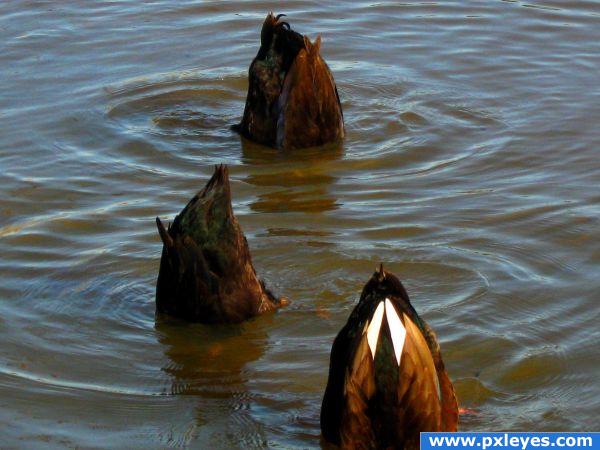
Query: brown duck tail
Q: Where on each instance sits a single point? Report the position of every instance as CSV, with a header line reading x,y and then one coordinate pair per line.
x,y
309,110
206,271
164,234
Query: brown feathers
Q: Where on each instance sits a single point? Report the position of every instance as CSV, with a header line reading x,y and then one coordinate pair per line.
x,y
375,399
359,388
292,99
206,273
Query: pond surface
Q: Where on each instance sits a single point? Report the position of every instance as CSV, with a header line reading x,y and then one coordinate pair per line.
x,y
471,169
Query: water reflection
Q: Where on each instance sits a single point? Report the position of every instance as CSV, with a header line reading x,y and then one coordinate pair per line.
x,y
302,179
208,360
212,363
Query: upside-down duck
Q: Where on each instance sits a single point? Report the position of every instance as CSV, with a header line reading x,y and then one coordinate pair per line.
x,y
292,99
206,273
387,380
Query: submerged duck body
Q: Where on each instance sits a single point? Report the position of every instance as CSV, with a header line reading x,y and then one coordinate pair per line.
x,y
387,380
206,272
292,99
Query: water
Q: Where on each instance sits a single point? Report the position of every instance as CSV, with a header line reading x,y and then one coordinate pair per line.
x,y
470,169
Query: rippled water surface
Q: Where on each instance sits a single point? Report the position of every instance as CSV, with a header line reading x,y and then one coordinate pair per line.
x,y
471,169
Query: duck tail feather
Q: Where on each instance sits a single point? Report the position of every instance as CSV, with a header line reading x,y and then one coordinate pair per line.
x,y
164,234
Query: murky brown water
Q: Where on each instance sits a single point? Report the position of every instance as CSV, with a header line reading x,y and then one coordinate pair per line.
x,y
471,168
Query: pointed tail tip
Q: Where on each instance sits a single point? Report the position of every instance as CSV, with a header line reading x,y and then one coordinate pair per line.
x,y
222,173
218,189
380,273
317,44
164,234
219,179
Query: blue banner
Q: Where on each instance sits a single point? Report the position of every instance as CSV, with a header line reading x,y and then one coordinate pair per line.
x,y
509,441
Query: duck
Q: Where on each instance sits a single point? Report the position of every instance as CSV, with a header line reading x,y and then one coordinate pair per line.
x,y
292,99
206,273
387,381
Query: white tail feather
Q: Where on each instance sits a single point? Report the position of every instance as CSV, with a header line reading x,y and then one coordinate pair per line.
x,y
374,327
397,329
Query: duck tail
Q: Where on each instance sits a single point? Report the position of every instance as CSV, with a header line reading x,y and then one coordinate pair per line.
x,y
309,109
164,234
356,430
206,271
